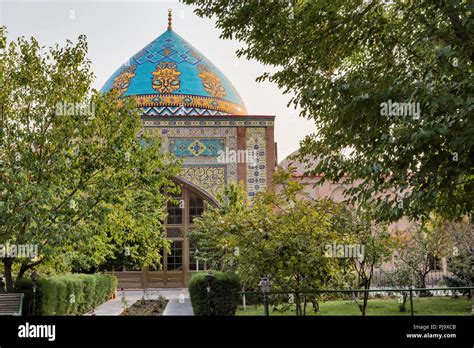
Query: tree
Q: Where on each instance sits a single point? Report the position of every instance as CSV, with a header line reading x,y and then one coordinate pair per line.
x,y
362,230
74,179
401,278
418,247
344,62
460,261
437,238
281,234
460,236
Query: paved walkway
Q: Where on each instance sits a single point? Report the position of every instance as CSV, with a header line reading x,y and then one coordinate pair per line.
x,y
178,301
179,307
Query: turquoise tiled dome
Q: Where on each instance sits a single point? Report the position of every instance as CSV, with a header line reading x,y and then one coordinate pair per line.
x,y
169,77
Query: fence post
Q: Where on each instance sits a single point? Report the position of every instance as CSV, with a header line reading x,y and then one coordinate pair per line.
x,y
145,277
411,301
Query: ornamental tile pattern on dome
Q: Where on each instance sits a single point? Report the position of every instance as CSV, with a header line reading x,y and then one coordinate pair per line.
x,y
200,104
122,81
211,82
166,77
170,77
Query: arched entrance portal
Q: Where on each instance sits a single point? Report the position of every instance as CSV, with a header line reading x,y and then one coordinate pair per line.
x,y
180,221
180,263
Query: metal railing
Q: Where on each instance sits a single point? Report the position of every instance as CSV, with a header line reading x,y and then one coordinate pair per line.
x,y
265,296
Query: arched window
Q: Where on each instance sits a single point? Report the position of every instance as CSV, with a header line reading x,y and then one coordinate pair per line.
x,y
190,203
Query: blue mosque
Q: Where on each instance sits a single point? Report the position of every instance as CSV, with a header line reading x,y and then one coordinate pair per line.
x,y
183,97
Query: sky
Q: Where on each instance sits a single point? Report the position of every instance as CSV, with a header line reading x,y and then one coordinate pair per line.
x,y
117,29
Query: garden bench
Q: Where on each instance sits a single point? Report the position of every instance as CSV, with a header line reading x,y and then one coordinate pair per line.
x,y
11,304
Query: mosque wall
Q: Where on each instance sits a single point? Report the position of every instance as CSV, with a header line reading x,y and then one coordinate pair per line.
x,y
200,143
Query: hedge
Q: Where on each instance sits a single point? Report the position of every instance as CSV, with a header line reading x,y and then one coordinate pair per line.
x,y
223,298
70,294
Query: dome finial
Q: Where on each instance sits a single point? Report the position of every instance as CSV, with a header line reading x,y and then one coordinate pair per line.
x,y
170,18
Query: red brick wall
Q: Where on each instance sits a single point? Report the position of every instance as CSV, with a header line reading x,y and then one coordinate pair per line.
x,y
271,155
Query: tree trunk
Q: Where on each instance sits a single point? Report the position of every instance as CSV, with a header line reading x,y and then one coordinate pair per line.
x,y
472,269
26,266
304,306
315,303
472,284
21,272
7,265
364,302
402,305
365,298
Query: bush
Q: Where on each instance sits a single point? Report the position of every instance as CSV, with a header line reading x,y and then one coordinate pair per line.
x,y
457,282
53,301
223,298
70,294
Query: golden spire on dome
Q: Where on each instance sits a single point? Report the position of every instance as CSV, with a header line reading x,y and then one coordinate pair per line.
x,y
170,18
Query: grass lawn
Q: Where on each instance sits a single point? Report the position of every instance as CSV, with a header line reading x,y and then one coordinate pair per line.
x,y
421,306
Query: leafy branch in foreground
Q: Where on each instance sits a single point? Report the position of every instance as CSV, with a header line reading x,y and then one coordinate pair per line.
x,y
342,60
74,179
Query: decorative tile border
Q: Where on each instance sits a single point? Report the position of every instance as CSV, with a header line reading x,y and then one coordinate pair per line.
x,y
256,175
165,122
150,111
189,101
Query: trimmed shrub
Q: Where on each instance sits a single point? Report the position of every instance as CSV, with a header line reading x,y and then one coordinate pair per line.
x,y
223,298
54,298
91,288
70,294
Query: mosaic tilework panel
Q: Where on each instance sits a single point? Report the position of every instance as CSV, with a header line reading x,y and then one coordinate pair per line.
x,y
196,147
211,179
256,174
226,134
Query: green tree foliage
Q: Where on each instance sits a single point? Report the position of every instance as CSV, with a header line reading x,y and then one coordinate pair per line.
x,y
78,184
341,59
423,245
460,259
419,247
362,230
401,277
283,235
277,234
